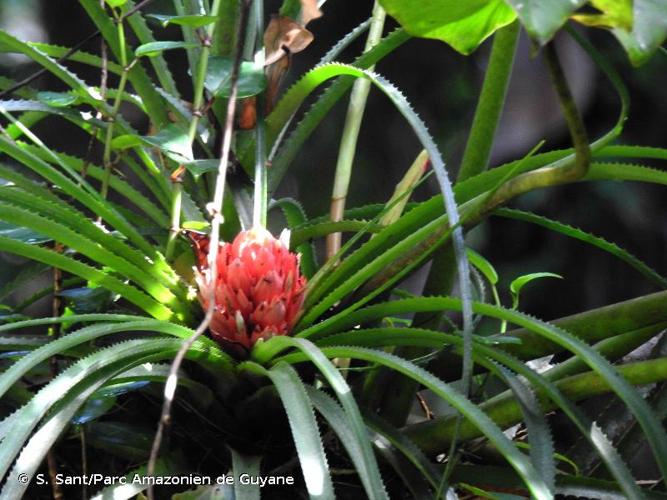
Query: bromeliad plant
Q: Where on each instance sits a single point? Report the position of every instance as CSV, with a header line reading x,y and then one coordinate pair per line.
x,y
160,254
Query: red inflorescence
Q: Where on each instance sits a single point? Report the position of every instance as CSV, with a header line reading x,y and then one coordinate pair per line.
x,y
259,290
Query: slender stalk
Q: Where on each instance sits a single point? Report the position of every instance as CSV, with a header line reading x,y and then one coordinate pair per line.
x,y
348,144
106,158
560,173
197,113
491,102
260,196
215,208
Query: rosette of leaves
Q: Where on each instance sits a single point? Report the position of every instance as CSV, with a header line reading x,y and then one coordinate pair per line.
x,y
328,404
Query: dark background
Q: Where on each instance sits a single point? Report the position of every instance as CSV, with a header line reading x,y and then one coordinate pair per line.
x,y
443,86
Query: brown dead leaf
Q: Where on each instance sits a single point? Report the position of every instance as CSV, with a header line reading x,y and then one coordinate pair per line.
x,y
309,11
285,35
282,38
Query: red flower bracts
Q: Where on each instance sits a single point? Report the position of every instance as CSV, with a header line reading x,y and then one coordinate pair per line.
x,y
259,290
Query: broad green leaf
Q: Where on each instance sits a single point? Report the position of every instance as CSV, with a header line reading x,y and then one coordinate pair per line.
x,y
172,141
614,14
57,99
542,18
153,49
251,80
518,283
191,21
649,30
200,167
463,25
126,141
116,3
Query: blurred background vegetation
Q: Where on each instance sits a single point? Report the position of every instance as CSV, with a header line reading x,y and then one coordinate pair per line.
x,y
443,87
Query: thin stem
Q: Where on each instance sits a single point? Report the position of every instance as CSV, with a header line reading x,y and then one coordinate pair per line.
x,y
559,173
215,208
260,201
106,158
491,102
348,143
197,113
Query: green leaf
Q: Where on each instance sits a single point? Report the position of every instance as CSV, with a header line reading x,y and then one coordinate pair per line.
x,y
368,468
87,300
116,3
23,234
126,141
468,409
578,234
200,167
94,408
57,99
191,21
543,18
463,25
305,432
251,80
173,141
614,14
518,283
153,49
649,30
483,265
245,464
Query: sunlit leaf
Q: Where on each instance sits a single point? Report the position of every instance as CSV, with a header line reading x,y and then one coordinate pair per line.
x,y
463,25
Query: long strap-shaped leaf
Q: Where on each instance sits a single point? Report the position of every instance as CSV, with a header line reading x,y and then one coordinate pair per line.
x,y
539,434
70,265
314,78
651,426
90,200
384,337
581,235
24,420
305,432
320,109
115,183
92,249
10,43
117,359
370,474
124,324
250,465
469,410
